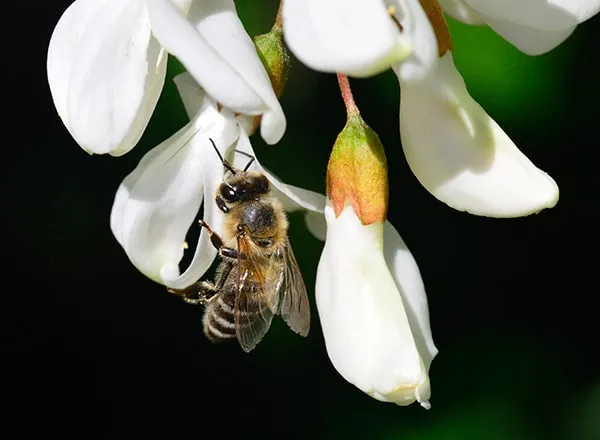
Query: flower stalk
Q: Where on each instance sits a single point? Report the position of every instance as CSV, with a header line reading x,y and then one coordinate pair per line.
x,y
347,96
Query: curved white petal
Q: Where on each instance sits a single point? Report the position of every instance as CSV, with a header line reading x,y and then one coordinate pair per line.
x,y
315,222
365,325
460,10
350,36
190,93
105,72
529,40
418,31
534,26
407,276
582,9
212,173
156,204
542,14
462,156
213,45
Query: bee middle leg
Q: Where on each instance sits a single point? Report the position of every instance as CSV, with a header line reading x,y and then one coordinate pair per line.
x,y
217,242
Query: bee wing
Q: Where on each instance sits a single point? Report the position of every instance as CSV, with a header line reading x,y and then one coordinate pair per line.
x,y
294,307
256,295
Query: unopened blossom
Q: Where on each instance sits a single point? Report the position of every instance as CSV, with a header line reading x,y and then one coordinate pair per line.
x,y
533,26
370,296
454,148
107,61
157,203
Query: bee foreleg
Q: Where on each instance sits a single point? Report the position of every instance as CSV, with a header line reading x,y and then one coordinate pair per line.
x,y
198,293
217,242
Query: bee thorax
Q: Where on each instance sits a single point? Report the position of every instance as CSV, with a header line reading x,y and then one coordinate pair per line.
x,y
258,217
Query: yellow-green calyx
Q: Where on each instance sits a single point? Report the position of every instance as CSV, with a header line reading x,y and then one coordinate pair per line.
x,y
275,58
357,172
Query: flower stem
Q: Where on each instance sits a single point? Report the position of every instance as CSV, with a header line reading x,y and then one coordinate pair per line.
x,y
346,91
279,19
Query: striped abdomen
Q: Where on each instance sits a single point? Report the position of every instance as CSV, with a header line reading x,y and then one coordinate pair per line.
x,y
219,320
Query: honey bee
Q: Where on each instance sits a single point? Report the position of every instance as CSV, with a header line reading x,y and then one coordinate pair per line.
x,y
258,276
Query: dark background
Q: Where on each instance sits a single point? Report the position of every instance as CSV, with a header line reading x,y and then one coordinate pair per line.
x,y
92,349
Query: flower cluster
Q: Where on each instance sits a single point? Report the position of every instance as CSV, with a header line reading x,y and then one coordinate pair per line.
x,y
106,68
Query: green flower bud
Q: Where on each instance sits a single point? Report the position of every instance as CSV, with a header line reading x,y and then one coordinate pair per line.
x,y
272,52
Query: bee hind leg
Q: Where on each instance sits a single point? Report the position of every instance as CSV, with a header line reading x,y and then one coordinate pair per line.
x,y
198,293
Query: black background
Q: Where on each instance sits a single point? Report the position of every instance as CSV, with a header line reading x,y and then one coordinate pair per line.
x,y
92,349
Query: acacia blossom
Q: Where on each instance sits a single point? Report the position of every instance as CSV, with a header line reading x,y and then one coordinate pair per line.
x,y
157,203
107,61
370,296
454,148
373,310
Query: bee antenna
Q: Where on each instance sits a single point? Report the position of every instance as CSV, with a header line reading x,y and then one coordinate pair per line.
x,y
223,161
252,158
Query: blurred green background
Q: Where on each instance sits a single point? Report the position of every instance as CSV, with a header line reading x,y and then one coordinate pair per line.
x,y
92,349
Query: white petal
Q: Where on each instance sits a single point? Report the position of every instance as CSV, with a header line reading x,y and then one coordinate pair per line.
x,y
156,204
419,33
315,222
462,156
366,329
534,26
542,14
106,72
350,36
190,93
529,40
213,45
582,9
212,172
407,276
460,10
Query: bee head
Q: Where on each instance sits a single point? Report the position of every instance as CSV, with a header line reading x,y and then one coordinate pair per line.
x,y
244,186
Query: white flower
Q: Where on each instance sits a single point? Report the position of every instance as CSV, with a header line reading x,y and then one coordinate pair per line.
x,y
156,204
107,61
358,38
373,310
533,26
461,155
455,149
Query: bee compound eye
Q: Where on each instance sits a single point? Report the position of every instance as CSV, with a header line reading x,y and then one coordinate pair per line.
x,y
229,193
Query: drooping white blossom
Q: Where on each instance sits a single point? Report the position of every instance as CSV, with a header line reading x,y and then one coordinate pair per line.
x,y
107,60
461,155
373,310
157,203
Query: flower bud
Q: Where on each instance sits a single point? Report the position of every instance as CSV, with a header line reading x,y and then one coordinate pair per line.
x,y
274,57
276,61
357,172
